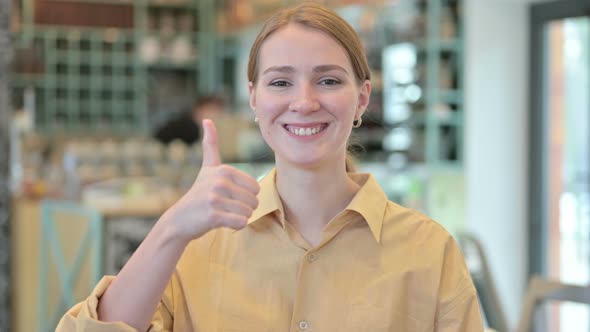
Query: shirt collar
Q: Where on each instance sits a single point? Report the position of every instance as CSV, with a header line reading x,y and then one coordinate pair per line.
x,y
370,201
268,200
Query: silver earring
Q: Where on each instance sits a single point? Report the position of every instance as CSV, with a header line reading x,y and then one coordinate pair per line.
x,y
255,119
357,123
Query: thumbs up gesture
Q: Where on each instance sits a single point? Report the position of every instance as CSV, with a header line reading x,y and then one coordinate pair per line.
x,y
221,196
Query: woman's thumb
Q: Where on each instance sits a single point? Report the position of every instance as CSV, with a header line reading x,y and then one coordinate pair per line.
x,y
210,147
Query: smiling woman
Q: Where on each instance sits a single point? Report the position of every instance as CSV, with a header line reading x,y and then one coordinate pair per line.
x,y
336,30
307,85
313,246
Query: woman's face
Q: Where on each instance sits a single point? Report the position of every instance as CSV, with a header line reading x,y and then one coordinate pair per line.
x,y
306,97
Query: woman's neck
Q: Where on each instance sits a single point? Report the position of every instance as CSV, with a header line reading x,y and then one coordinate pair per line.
x,y
313,197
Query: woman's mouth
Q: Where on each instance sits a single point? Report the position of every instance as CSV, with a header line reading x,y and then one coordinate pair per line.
x,y
305,130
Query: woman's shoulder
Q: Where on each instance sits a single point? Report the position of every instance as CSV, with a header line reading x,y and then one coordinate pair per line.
x,y
402,224
412,237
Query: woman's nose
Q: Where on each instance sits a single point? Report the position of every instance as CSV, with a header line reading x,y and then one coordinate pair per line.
x,y
305,101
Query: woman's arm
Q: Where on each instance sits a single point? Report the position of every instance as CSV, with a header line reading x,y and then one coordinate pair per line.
x,y
134,294
221,196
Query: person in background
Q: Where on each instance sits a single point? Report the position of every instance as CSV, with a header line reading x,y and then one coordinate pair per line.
x,y
313,246
186,126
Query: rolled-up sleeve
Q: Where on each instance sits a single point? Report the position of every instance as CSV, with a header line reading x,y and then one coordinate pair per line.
x,y
84,315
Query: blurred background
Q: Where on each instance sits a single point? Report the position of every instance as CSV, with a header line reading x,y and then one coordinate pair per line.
x,y
479,117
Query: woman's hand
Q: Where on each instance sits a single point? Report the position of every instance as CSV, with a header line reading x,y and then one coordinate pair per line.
x,y
221,196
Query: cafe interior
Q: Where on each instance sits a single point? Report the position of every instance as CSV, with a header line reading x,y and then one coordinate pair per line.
x,y
479,118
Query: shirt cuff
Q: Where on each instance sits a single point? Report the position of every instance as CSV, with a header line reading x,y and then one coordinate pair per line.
x,y
84,315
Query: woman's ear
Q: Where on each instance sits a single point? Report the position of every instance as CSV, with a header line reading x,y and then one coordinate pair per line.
x,y
364,98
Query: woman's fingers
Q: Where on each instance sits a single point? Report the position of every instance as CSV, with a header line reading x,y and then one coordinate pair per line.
x,y
222,196
240,178
247,197
231,205
229,219
226,188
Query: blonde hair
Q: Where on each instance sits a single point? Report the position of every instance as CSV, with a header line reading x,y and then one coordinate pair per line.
x,y
313,15
350,163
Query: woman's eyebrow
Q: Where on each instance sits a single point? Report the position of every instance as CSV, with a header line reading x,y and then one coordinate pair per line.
x,y
325,68
316,69
280,69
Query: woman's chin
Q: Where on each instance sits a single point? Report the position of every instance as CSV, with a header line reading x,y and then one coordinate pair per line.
x,y
306,162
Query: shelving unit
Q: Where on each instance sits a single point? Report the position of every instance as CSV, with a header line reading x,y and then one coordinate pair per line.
x,y
109,82
89,79
436,116
101,79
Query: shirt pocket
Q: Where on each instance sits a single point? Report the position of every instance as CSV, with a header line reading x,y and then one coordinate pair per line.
x,y
368,317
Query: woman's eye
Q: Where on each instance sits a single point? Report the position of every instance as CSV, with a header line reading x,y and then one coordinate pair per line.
x,y
279,83
329,81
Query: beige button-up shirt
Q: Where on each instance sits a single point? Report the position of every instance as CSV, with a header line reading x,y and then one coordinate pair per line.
x,y
379,267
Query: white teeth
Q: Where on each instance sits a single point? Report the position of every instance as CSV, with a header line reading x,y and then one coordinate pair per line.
x,y
304,131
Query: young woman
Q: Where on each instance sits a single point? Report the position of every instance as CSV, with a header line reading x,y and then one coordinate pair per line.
x,y
313,246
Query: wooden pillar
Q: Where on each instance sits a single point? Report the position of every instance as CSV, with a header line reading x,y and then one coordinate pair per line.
x,y
5,114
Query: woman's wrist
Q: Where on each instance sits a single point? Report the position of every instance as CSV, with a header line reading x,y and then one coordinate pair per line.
x,y
170,232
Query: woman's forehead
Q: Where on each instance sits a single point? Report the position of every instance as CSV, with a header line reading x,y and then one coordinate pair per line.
x,y
296,45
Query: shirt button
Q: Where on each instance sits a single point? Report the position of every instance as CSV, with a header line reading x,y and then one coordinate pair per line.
x,y
312,257
303,325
